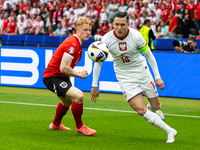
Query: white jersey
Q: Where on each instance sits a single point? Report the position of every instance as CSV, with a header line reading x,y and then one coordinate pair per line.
x,y
128,62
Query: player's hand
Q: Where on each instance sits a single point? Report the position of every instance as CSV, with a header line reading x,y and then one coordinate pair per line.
x,y
160,83
83,74
94,94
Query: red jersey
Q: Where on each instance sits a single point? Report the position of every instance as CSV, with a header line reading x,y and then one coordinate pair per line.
x,y
172,22
5,24
71,47
98,8
107,27
169,6
165,15
177,6
191,8
12,27
198,11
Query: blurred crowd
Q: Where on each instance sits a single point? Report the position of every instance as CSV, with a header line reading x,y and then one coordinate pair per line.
x,y
58,17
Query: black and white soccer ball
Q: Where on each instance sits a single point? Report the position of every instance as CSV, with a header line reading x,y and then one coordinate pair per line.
x,y
98,51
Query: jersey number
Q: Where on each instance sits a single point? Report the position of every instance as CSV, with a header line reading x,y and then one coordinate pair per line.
x,y
125,59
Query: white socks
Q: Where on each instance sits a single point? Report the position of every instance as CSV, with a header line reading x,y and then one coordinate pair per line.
x,y
155,120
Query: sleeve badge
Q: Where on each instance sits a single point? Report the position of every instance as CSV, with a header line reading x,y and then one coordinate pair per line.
x,y
71,50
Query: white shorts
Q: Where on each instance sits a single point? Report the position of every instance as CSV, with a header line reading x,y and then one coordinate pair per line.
x,y
144,84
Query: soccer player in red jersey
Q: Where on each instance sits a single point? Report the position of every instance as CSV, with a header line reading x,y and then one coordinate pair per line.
x,y
56,77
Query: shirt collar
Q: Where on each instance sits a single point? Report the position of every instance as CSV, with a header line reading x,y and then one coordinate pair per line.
x,y
78,39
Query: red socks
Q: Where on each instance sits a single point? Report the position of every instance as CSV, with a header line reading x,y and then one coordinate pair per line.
x,y
77,111
60,112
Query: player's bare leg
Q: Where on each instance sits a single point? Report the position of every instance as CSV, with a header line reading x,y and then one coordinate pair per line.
x,y
137,103
77,110
154,106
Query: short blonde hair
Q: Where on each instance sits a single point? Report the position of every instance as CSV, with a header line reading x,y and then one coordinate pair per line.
x,y
82,21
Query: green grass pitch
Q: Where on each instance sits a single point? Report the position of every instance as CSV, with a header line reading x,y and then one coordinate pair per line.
x,y
24,123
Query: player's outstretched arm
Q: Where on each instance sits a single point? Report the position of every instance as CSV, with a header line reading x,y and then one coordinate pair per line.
x,y
152,61
96,73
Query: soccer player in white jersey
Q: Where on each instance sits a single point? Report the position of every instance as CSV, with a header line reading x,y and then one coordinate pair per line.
x,y
125,45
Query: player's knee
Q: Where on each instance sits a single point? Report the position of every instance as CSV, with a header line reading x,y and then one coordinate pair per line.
x,y
141,112
79,97
157,106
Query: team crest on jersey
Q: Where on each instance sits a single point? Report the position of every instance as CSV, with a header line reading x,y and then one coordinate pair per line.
x,y
71,50
63,84
123,46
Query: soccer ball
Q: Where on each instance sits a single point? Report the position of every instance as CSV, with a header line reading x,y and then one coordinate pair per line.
x,y
98,51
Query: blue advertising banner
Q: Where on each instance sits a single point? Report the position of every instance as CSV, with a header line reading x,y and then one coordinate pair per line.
x,y
24,67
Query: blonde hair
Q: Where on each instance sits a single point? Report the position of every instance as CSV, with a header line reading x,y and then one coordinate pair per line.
x,y
82,21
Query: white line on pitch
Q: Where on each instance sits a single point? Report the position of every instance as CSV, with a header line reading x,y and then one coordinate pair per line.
x,y
113,110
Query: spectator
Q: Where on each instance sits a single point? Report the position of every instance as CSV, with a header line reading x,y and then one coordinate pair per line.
x,y
28,11
99,6
164,29
5,22
64,24
71,22
12,14
35,9
8,2
1,7
151,5
133,22
130,10
177,5
104,28
157,12
11,29
158,33
21,4
192,8
92,14
7,9
51,7
145,8
82,11
22,26
67,12
148,34
38,27
180,14
164,14
123,7
50,31
113,8
103,13
47,20
142,18
31,24
76,11
59,31
186,23
21,13
170,5
198,17
153,21
57,17
173,23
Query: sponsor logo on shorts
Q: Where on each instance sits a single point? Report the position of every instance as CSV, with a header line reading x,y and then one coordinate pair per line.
x,y
63,84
